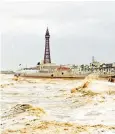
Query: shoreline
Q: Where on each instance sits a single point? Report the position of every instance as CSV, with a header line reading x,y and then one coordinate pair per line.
x,y
63,78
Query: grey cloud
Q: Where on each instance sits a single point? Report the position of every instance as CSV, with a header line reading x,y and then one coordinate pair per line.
x,y
82,29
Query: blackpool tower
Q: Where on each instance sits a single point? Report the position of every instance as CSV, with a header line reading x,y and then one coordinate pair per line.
x,y
47,58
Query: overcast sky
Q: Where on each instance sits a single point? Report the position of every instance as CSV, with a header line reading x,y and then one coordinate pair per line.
x,y
79,30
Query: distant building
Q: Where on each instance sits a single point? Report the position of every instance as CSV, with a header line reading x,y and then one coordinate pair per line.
x,y
96,67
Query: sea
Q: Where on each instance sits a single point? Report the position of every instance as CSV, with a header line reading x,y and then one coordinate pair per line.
x,y
47,106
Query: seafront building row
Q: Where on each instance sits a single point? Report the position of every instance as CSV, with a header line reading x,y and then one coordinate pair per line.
x,y
96,67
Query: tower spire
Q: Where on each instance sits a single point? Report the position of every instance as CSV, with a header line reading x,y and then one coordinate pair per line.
x,y
47,58
47,31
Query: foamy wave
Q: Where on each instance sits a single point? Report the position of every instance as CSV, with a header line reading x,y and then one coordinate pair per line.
x,y
99,87
21,108
94,86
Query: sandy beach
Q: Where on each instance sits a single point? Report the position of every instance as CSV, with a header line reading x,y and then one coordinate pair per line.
x,y
47,106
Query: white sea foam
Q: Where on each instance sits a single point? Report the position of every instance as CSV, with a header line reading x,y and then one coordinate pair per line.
x,y
60,105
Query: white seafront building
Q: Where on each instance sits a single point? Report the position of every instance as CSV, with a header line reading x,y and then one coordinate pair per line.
x,y
96,67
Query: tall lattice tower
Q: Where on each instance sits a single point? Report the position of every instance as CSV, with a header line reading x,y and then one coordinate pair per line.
x,y
47,58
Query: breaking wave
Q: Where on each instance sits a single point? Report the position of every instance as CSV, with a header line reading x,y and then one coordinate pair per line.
x,y
21,108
